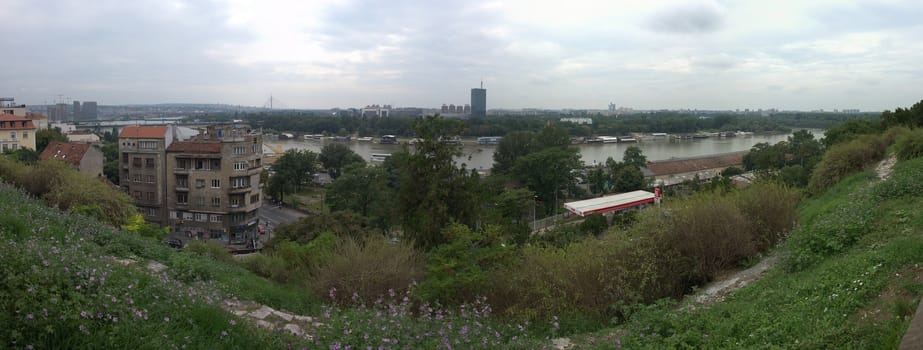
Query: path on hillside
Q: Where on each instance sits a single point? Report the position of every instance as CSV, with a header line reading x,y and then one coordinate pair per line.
x,y
716,291
252,312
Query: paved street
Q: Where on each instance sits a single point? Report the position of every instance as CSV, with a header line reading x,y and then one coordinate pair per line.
x,y
272,214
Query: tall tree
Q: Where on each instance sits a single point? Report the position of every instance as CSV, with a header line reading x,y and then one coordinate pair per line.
x,y
335,156
433,192
634,157
293,170
548,172
511,147
44,136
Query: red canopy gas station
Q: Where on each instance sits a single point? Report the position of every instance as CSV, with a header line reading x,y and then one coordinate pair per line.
x,y
612,203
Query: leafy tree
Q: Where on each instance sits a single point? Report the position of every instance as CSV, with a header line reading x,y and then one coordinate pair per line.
x,y
111,161
433,192
804,148
594,224
359,189
628,178
634,157
336,156
764,156
44,136
849,130
547,172
293,169
598,180
731,171
24,155
510,148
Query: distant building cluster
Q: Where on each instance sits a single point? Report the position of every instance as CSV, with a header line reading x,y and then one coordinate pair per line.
x,y
376,111
63,112
456,109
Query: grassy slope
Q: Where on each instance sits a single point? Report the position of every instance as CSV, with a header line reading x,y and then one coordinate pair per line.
x,y
63,285
862,297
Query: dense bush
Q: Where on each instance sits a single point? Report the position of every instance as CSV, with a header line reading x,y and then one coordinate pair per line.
x,y
367,268
910,144
458,271
211,249
666,253
594,225
61,186
846,158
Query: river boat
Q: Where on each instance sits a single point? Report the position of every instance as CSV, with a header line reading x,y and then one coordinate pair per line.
x,y
388,140
379,157
489,140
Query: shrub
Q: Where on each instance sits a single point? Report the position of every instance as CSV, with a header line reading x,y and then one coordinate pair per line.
x,y
910,144
771,210
269,266
458,271
830,233
189,268
844,159
305,257
594,224
368,268
210,249
711,234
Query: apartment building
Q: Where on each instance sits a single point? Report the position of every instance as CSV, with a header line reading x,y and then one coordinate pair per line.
x,y
205,187
16,132
213,187
142,170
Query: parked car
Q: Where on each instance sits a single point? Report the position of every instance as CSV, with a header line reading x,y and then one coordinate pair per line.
x,y
173,243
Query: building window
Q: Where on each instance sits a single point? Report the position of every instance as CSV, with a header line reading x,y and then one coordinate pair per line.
x,y
240,150
149,162
25,134
236,201
255,198
182,163
136,195
216,234
150,196
201,164
200,217
13,135
149,179
173,214
199,183
151,211
182,181
216,201
216,164
187,216
238,166
216,183
136,178
240,182
136,162
147,144
182,198
200,200
216,218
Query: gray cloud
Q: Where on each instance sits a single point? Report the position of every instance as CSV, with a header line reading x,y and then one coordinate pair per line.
x,y
690,18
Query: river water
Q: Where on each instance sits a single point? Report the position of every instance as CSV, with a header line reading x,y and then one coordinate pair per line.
x,y
481,156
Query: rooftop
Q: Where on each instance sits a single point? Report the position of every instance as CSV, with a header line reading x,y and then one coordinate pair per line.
x,y
693,164
143,132
70,152
13,122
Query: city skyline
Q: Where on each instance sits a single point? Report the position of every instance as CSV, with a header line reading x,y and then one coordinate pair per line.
x,y
712,55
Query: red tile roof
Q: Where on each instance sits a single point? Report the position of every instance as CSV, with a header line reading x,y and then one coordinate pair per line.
x,y
143,132
686,165
12,122
195,147
36,116
70,152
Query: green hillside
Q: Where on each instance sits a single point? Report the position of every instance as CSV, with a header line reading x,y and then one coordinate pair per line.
x,y
850,276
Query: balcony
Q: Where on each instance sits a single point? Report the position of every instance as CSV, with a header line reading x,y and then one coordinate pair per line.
x,y
180,171
182,188
240,189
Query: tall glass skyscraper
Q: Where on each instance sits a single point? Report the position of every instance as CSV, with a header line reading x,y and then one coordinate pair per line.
x,y
479,101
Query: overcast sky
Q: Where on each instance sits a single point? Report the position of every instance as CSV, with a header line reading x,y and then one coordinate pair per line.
x,y
645,54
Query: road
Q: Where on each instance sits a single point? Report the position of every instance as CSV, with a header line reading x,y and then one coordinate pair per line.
x,y
272,214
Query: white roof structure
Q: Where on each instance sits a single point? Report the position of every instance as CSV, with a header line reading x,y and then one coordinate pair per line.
x,y
610,203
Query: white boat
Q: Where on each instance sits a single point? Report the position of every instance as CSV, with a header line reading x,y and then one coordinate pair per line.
x,y
388,140
489,140
609,139
379,157
364,139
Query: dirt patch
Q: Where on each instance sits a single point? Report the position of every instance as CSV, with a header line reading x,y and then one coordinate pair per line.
x,y
896,300
716,291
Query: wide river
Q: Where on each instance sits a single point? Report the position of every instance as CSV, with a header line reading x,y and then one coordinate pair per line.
x,y
481,156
